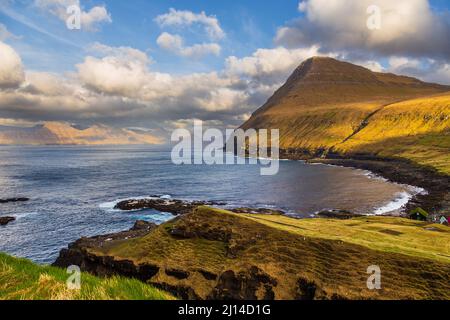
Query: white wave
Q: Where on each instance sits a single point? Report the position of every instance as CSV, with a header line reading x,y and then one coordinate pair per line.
x,y
401,200
371,175
158,218
25,215
416,190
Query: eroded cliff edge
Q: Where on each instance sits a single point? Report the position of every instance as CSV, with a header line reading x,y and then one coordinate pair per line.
x,y
215,254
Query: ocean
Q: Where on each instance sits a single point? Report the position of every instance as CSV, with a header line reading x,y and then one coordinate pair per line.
x,y
73,190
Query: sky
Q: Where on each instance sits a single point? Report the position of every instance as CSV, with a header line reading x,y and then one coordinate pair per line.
x,y
160,64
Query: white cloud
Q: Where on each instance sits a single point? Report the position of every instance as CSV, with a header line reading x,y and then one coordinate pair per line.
x,y
429,70
11,70
48,84
122,52
408,27
96,15
222,99
370,64
269,65
175,44
89,19
180,18
440,75
115,85
122,71
398,64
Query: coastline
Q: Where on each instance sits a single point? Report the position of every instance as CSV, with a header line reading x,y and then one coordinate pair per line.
x,y
113,254
433,194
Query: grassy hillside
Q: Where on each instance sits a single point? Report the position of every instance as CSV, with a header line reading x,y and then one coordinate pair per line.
x,y
417,129
332,105
387,234
211,253
20,279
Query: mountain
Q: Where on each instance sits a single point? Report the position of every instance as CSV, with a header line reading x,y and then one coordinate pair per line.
x,y
328,105
64,133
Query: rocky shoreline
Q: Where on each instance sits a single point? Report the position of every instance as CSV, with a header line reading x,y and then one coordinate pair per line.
x,y
173,206
8,200
5,220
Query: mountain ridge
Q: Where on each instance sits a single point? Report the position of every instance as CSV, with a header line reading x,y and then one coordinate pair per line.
x,y
62,133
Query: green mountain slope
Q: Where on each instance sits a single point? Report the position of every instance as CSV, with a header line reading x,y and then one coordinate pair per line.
x,y
329,105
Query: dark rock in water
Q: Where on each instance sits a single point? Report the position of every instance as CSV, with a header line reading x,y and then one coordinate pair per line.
x,y
258,211
143,225
14,200
338,214
5,220
176,207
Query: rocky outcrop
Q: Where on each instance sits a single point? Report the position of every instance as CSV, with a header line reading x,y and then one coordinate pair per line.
x,y
5,220
251,284
337,214
173,206
14,200
78,252
258,211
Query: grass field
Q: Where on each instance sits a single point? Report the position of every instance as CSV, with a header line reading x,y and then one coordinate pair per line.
x,y
331,254
386,234
20,279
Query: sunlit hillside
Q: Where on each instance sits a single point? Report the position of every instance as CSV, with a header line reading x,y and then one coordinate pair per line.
x,y
416,129
328,105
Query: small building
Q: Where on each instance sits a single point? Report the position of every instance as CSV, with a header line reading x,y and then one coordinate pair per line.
x,y
418,214
444,220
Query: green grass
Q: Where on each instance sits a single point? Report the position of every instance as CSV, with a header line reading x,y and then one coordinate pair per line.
x,y
385,234
20,279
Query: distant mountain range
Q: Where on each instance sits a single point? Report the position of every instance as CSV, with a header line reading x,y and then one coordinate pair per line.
x,y
329,106
61,133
